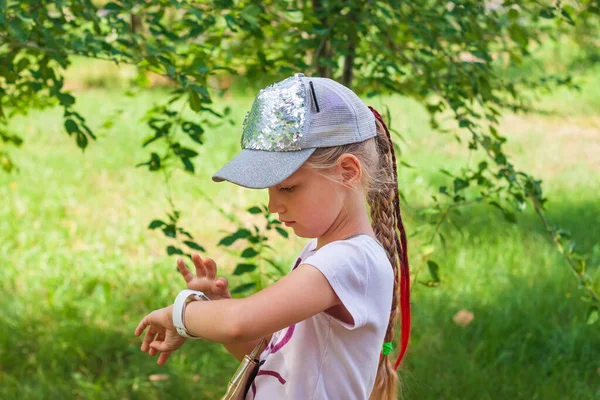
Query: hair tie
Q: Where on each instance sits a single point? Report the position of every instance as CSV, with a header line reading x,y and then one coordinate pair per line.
x,y
387,348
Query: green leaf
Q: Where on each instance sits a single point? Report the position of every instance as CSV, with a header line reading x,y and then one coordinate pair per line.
x,y
82,140
65,99
154,162
518,34
193,245
227,241
157,223
16,30
434,269
442,239
254,210
547,12
509,216
231,22
112,7
579,263
173,250
170,231
446,172
243,288
592,316
460,184
242,233
203,92
185,152
465,123
249,14
188,165
244,268
195,103
282,232
249,253
71,126
565,14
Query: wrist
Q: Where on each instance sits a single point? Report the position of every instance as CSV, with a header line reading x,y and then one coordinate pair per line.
x,y
177,310
169,316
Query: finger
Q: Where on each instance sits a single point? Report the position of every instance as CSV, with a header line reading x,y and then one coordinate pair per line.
x,y
222,282
162,359
148,338
183,269
200,268
222,287
211,268
141,326
161,346
160,337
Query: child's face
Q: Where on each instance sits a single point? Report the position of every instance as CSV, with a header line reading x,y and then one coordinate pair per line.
x,y
311,201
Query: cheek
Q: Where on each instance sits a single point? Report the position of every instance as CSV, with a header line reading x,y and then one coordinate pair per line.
x,y
319,212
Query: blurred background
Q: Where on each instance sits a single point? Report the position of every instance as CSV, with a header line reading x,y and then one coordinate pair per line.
x,y
497,310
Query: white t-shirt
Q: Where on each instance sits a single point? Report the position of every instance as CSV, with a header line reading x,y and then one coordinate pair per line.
x,y
322,357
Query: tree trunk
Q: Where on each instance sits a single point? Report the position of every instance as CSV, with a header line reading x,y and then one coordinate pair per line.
x,y
324,49
136,23
348,73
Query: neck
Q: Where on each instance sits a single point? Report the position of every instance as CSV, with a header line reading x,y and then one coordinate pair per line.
x,y
353,219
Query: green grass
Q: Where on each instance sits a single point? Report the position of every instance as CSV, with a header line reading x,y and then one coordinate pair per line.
x,y
79,268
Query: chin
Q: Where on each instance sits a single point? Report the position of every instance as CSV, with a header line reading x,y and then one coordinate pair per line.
x,y
304,234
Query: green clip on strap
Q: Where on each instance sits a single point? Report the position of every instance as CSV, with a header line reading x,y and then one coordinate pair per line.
x,y
387,348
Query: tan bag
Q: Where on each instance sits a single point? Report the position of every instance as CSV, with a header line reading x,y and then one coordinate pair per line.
x,y
245,374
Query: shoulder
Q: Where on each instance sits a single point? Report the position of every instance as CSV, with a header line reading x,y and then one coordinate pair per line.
x,y
363,247
362,253
360,274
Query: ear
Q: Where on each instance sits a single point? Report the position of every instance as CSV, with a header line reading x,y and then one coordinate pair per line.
x,y
350,170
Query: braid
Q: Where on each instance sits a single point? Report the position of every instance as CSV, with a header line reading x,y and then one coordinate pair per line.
x,y
378,160
385,216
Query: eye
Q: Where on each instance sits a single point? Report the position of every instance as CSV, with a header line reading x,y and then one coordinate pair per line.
x,y
286,189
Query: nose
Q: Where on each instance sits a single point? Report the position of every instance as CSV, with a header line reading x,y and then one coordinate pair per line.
x,y
275,203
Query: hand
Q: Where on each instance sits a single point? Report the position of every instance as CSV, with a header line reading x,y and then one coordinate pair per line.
x,y
161,335
206,272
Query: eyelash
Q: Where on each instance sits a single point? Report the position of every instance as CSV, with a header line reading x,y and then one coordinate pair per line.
x,y
286,189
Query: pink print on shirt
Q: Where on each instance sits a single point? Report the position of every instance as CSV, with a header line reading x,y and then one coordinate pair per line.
x,y
276,347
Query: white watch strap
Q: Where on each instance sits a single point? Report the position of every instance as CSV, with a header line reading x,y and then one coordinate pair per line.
x,y
179,309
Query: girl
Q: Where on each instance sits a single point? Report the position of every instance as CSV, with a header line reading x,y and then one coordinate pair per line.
x,y
330,322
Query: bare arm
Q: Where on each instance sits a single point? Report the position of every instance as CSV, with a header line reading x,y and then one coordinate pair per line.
x,y
297,296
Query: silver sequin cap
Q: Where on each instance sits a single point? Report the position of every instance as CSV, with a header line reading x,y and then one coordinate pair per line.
x,y
276,120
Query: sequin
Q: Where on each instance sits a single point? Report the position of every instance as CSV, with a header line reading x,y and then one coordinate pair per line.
x,y
276,120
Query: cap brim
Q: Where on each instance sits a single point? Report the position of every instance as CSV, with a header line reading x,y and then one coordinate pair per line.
x,y
258,169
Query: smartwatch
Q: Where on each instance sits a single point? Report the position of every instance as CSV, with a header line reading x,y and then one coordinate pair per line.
x,y
181,301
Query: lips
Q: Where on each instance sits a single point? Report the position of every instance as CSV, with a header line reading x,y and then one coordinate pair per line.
x,y
288,223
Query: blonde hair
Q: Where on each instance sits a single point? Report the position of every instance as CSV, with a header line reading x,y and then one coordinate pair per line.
x,y
380,182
